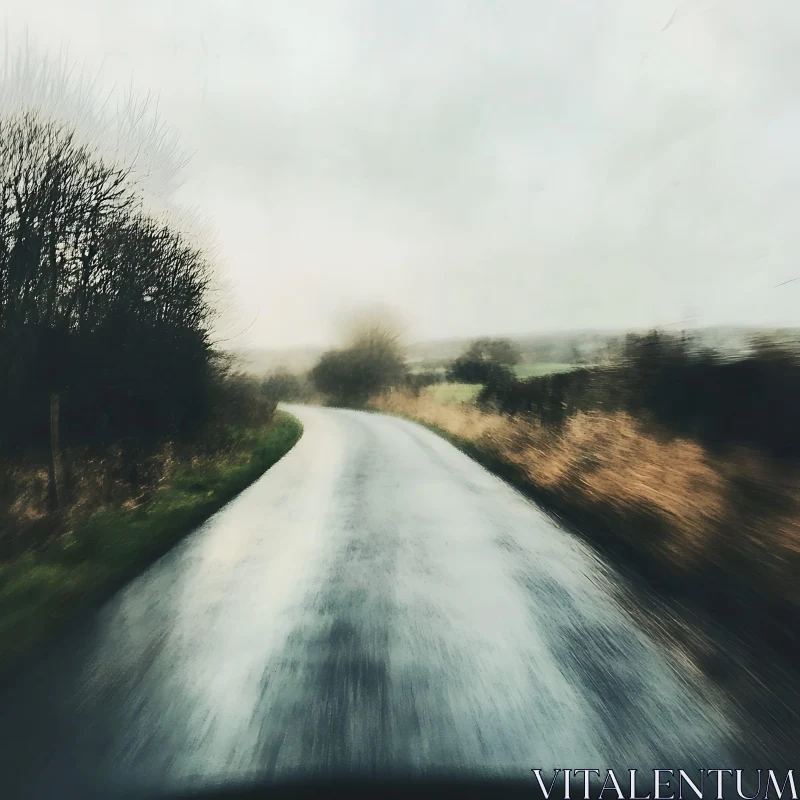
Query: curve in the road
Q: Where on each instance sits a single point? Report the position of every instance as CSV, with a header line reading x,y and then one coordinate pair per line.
x,y
376,602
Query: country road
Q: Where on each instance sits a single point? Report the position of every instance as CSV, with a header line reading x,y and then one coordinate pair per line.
x,y
375,602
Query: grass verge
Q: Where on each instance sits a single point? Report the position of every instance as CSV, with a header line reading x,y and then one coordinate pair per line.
x,y
45,589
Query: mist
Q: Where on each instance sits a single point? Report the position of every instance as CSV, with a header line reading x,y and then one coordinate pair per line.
x,y
482,168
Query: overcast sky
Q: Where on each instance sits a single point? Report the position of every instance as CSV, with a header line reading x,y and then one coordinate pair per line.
x,y
482,167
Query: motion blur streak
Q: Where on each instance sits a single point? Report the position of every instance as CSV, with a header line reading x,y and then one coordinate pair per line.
x,y
376,602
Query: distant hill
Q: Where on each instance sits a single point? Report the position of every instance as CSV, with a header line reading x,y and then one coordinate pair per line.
x,y
564,347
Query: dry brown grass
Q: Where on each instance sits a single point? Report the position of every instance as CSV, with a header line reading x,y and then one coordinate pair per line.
x,y
94,480
736,516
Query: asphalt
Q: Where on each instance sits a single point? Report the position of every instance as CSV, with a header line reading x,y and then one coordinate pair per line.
x,y
377,604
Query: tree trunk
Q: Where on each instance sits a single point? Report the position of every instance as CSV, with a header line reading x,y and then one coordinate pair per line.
x,y
56,466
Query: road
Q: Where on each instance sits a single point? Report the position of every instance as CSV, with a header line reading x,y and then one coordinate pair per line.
x,y
375,602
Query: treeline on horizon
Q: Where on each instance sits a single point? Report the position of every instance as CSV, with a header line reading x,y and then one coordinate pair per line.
x,y
674,380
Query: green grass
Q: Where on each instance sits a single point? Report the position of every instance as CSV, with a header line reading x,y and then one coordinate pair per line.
x,y
537,370
44,590
454,392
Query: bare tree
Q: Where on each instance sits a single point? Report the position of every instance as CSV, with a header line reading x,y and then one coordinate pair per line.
x,y
96,297
104,301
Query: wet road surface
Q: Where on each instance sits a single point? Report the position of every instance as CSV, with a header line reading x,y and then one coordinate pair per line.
x,y
376,602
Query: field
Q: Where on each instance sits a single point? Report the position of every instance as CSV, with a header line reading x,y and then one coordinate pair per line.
x,y
543,368
448,393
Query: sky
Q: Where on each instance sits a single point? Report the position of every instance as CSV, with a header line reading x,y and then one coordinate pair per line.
x,y
480,168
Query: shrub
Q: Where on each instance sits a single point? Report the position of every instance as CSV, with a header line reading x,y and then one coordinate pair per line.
x,y
369,366
416,381
750,400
